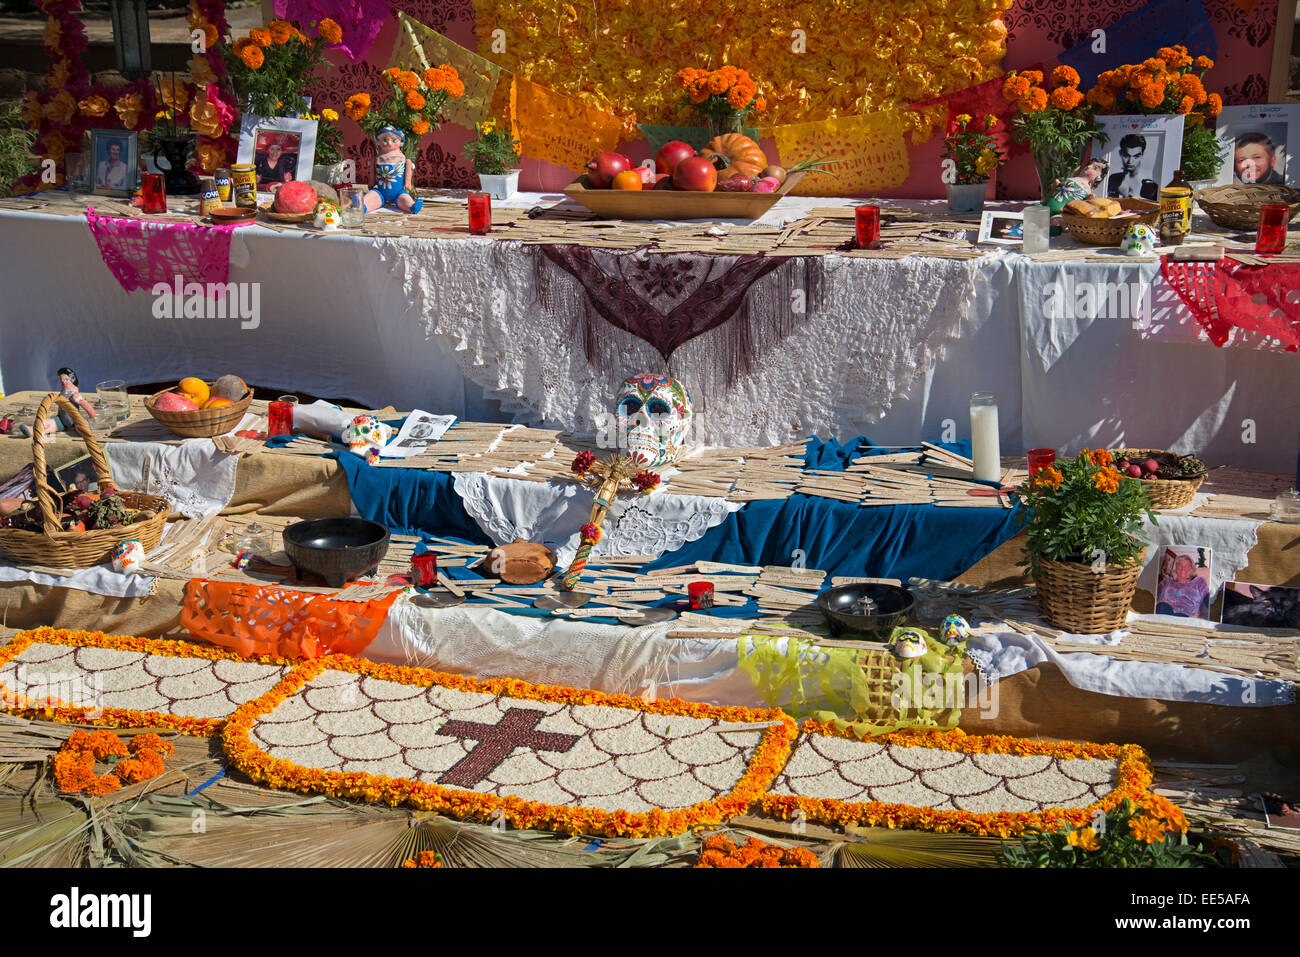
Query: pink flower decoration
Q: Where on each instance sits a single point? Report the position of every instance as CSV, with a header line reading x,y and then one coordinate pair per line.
x,y
589,533
583,461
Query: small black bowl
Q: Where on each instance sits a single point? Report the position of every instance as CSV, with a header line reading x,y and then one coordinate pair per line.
x,y
336,549
869,611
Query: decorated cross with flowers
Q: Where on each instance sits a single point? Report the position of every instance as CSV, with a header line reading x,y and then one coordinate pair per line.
x,y
615,474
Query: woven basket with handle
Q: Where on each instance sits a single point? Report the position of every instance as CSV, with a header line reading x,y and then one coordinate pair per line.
x,y
1164,493
61,549
1076,599
1236,206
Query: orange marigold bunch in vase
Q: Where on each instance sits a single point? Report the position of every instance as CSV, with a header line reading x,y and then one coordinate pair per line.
x,y
1055,120
1170,83
415,106
723,98
270,67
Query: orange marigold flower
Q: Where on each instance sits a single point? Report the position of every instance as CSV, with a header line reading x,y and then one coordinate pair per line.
x,y
104,785
105,744
420,126
1107,480
1033,101
406,81
1153,95
1204,63
737,98
331,31
760,104
151,742
455,88
434,78
253,57
1215,104
1033,76
1066,98
1065,76
1101,457
1186,104
281,31
357,105
261,36
1147,829
717,83
240,45
1085,839
1050,477
415,100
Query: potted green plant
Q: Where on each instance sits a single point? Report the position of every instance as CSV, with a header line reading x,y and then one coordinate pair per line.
x,y
494,155
1084,548
973,153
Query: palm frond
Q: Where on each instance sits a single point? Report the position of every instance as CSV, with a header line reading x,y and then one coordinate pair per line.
x,y
41,830
900,847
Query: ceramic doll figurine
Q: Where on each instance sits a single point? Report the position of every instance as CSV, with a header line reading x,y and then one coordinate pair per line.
x,y
63,421
1082,185
393,174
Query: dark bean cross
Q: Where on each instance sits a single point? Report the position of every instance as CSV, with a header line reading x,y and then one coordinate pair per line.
x,y
517,729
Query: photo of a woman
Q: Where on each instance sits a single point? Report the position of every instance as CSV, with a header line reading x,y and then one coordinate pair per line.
x,y
1183,589
276,158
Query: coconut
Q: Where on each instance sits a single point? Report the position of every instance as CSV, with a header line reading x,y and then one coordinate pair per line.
x,y
230,387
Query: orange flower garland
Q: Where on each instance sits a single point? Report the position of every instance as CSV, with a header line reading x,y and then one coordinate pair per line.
x,y
424,859
74,763
719,851
249,758
1133,781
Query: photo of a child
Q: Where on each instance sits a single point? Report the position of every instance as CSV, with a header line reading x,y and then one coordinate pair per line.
x,y
1183,587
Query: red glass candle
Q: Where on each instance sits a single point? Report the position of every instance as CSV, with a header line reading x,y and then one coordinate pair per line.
x,y
153,193
1040,459
480,213
867,219
424,570
280,419
701,594
1273,218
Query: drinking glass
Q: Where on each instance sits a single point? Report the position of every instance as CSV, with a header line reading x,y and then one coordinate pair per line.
x,y
112,404
867,226
352,205
279,418
76,170
1273,218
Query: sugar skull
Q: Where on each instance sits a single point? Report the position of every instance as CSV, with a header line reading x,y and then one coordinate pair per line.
x,y
955,630
327,216
127,556
653,414
1139,240
910,644
365,434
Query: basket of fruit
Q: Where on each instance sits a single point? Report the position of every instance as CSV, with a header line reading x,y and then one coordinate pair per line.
x,y
1170,480
1103,222
78,529
199,410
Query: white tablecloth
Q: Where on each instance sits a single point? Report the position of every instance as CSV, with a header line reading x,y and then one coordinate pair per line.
x,y
338,319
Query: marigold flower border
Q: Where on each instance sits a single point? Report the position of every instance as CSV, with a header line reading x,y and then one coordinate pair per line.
x,y
763,766
1133,779
116,717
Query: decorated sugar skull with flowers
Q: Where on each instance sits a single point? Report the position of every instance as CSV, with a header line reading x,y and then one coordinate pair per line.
x,y
955,630
127,556
653,414
327,216
366,433
1140,240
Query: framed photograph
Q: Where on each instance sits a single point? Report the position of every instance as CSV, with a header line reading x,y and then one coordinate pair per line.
x,y
114,162
78,474
1259,142
1007,229
1141,153
1261,606
1183,581
282,148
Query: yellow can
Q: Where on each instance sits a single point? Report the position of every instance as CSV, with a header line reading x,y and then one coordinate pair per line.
x,y
243,179
1175,214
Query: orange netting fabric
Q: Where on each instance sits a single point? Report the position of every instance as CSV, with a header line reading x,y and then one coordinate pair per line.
x,y
268,620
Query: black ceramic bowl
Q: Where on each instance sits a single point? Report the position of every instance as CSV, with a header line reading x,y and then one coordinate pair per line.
x,y
336,549
869,611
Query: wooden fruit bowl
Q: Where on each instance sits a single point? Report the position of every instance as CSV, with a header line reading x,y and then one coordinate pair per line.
x,y
675,203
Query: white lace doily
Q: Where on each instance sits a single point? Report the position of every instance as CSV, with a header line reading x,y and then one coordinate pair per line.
x,y
883,326
193,476
551,514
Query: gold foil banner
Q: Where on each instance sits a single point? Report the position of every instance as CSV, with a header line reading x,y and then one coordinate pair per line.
x,y
869,152
422,45
559,129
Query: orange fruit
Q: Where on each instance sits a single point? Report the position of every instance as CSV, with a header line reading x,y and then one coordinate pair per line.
x,y
626,180
196,390
216,402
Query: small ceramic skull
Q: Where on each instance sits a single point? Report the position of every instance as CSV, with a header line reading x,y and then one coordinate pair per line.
x,y
366,433
127,556
654,414
955,630
1140,240
327,216
910,644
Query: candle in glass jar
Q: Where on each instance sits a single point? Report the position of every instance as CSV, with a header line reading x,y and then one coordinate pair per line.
x,y
1037,230
1039,459
153,193
701,595
867,220
1273,218
986,449
480,213
279,418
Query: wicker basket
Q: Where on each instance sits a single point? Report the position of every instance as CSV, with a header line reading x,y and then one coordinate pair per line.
x,y
200,423
1237,206
1164,493
1110,232
1076,599
61,549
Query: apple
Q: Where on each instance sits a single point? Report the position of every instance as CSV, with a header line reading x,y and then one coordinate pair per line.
x,y
1150,466
697,174
672,153
1133,471
602,170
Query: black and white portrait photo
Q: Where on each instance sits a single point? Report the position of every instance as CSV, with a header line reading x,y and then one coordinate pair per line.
x,y
1143,153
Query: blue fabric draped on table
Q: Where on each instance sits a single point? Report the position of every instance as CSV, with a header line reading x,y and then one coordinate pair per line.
x,y
841,538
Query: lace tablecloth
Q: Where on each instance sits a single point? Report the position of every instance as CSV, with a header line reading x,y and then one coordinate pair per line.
x,y
883,325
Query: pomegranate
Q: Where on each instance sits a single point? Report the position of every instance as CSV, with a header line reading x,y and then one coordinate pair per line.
x,y
1133,471
695,173
1150,466
672,153
602,170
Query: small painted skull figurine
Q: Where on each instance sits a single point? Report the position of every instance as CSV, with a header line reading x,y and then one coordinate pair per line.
x,y
910,644
653,414
127,556
327,216
955,630
366,433
1140,240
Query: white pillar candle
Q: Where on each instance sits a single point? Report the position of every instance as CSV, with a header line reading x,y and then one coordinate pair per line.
x,y
1038,227
986,450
